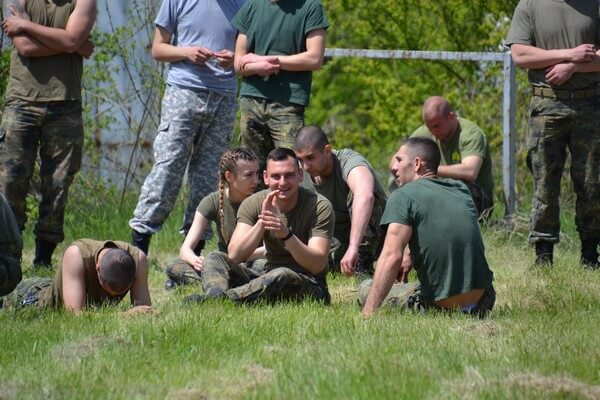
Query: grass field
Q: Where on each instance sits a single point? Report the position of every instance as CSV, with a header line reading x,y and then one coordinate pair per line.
x,y
541,341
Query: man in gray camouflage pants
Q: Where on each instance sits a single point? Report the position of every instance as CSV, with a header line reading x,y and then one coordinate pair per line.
x,y
198,109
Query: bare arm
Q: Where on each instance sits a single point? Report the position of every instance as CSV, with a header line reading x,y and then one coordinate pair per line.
x,y
244,240
248,64
388,265
312,256
163,50
139,293
186,252
66,40
362,185
73,280
309,60
467,170
531,57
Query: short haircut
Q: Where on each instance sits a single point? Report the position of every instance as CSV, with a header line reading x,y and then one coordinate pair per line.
x,y
281,154
310,137
117,269
426,149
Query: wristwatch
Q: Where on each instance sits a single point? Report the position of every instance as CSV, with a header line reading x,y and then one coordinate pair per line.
x,y
289,235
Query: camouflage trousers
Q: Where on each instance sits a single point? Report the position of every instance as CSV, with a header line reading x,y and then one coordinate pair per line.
x,y
407,297
554,126
267,124
243,285
56,129
183,273
195,128
28,292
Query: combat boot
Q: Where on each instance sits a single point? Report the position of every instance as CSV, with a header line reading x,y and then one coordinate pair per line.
x,y
43,253
544,252
589,253
141,240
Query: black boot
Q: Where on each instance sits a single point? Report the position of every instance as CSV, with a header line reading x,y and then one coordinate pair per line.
x,y
544,253
589,253
43,253
141,240
199,247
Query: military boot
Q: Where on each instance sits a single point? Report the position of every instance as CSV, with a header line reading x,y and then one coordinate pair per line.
x,y
43,253
141,240
544,252
589,253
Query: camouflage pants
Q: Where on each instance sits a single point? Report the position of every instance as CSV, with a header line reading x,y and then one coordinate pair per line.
x,y
28,292
195,128
266,124
407,297
244,285
183,273
554,126
56,129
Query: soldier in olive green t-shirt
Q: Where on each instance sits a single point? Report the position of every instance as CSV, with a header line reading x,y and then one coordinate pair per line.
x,y
464,149
348,181
295,225
436,218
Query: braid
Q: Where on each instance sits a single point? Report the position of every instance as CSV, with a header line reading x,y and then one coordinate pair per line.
x,y
228,162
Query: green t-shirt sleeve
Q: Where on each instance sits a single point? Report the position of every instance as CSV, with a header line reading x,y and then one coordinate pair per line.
x,y
398,209
241,20
324,224
209,206
472,143
250,209
316,18
349,160
521,26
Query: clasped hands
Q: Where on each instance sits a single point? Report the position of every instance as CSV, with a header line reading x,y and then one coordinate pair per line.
x,y
270,216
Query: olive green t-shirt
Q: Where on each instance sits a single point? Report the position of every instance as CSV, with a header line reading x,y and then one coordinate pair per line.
x,y
468,140
279,28
557,24
209,208
446,245
312,217
53,78
336,190
52,296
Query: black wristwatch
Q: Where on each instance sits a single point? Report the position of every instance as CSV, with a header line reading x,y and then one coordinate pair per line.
x,y
289,235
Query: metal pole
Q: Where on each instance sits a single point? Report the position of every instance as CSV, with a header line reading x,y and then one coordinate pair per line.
x,y
509,136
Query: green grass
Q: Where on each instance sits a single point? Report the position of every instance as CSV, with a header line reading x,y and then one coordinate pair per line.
x,y
541,341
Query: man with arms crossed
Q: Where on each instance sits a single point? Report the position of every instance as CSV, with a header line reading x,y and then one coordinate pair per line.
x,y
92,273
295,225
43,109
556,41
464,150
437,219
347,180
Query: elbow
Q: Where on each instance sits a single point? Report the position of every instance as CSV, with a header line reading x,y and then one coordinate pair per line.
x,y
234,255
316,63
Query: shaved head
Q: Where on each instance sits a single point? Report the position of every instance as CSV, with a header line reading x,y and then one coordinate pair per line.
x,y
310,137
436,106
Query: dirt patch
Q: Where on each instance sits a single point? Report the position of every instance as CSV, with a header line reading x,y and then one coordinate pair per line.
x,y
485,328
558,385
77,351
187,394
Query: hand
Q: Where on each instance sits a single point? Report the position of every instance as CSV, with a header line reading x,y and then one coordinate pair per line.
x,y
225,58
86,49
581,53
198,263
252,58
264,68
559,73
405,268
198,55
141,310
15,24
348,262
271,216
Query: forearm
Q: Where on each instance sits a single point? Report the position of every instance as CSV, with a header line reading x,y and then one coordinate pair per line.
x,y
458,171
243,245
362,207
386,272
28,47
57,39
532,57
258,253
592,66
306,61
187,254
311,259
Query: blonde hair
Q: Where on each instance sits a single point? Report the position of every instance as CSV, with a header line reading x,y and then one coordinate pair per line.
x,y
228,162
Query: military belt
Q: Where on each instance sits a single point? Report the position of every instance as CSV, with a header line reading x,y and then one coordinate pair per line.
x,y
566,94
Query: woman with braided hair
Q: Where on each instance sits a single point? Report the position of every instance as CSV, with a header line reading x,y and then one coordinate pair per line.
x,y
238,178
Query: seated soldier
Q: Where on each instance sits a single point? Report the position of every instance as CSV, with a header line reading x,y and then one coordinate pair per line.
x,y
464,149
238,172
436,218
11,247
296,226
92,273
347,180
